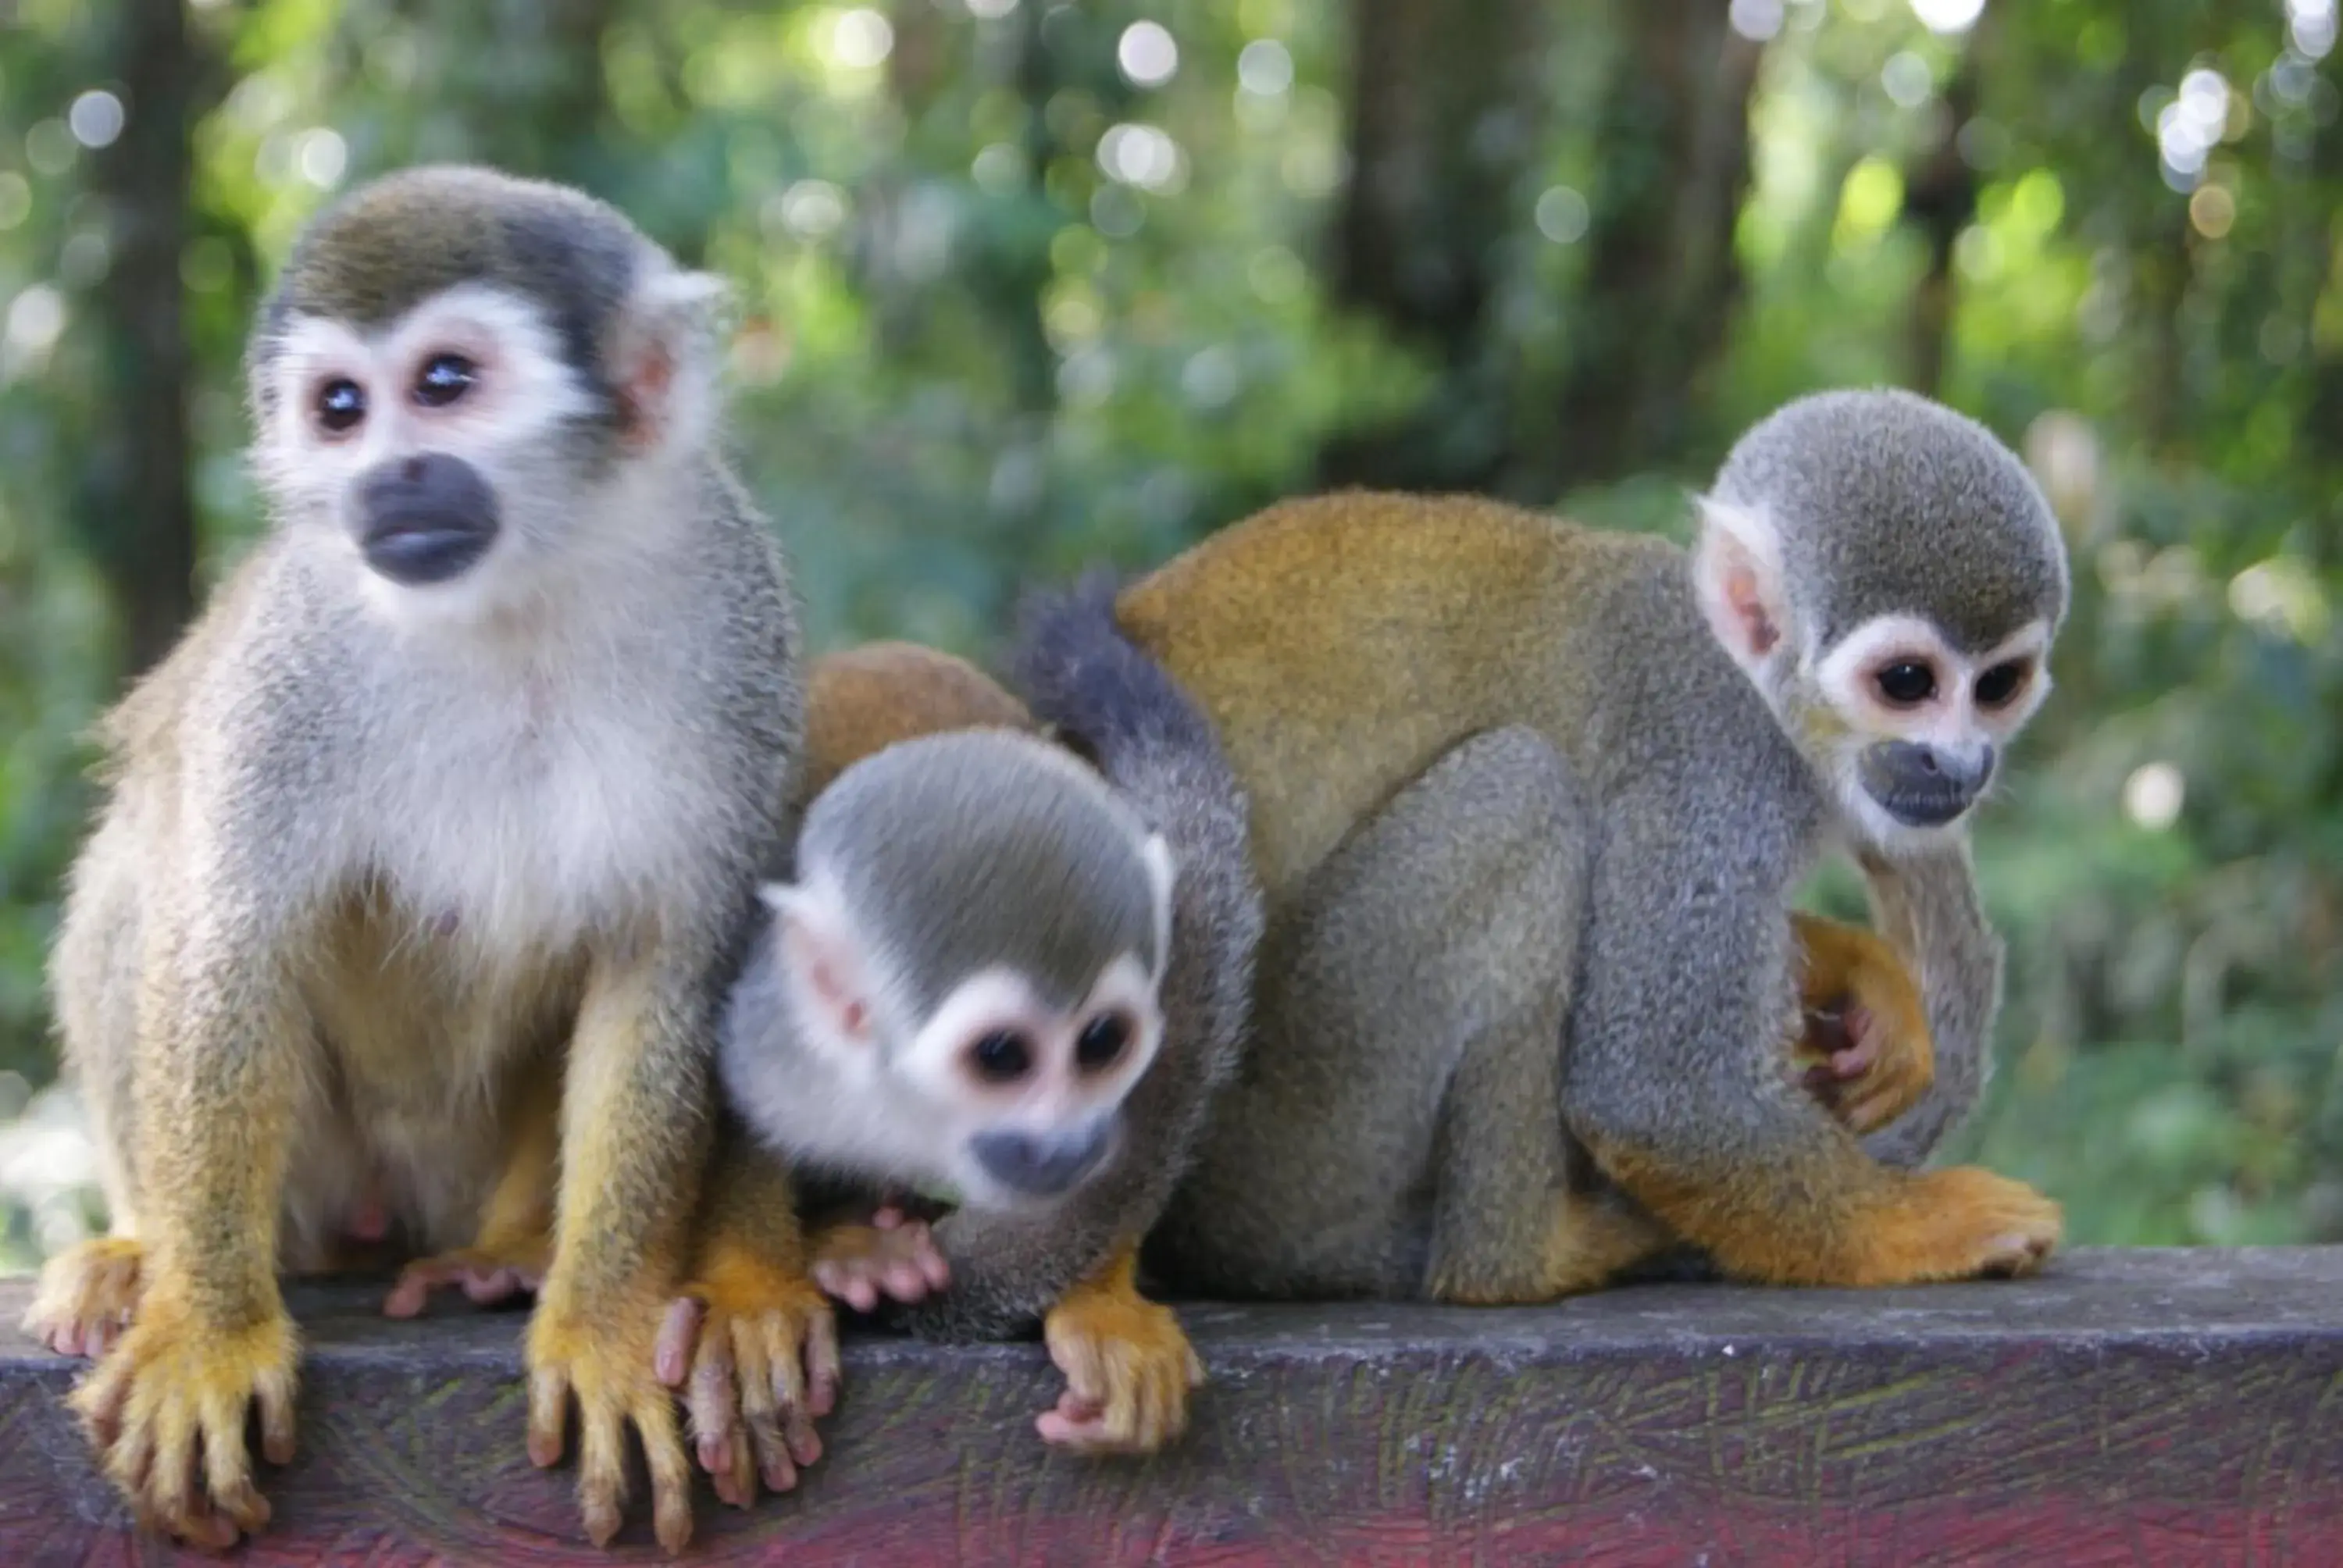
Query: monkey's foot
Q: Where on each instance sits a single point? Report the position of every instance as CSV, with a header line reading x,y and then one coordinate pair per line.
x,y
891,1256
1964,1223
755,1348
167,1410
489,1273
1129,1367
87,1296
605,1354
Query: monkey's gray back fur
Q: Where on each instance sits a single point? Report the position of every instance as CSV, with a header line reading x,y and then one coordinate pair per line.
x,y
1106,699
1887,501
977,848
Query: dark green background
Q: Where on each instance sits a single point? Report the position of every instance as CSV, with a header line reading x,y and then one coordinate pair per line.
x,y
1007,310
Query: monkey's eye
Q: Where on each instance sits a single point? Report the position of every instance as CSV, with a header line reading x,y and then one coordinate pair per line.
x,y
444,378
341,404
1999,685
1001,1057
1101,1042
1906,685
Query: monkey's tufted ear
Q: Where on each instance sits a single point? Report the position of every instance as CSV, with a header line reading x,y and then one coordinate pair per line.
x,y
824,968
1162,872
667,359
1737,573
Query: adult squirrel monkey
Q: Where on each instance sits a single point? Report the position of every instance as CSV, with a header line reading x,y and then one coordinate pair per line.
x,y
1528,801
426,851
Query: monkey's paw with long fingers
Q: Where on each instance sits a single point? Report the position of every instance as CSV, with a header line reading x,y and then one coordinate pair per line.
x,y
891,1256
166,1410
488,1273
605,1360
1867,1049
87,1296
1961,1223
754,1349
1129,1371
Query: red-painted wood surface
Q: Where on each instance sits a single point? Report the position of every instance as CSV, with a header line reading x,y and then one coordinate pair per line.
x,y
2166,1408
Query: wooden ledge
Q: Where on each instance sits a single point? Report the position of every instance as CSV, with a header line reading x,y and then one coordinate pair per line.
x,y
2163,1407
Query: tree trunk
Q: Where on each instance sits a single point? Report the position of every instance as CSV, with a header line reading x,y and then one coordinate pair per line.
x,y
1662,278
1445,113
1940,196
136,513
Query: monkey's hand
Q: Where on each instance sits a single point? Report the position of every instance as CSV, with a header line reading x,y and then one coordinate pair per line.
x,y
176,1386
489,1273
1129,1366
891,1256
1866,1051
608,1362
754,1348
87,1296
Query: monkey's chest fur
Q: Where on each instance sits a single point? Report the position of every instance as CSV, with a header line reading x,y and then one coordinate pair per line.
x,y
513,850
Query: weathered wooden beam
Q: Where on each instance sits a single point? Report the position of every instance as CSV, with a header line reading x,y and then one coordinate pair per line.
x,y
2142,1407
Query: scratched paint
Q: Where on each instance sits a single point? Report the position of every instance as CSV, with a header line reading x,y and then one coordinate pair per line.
x,y
2137,1409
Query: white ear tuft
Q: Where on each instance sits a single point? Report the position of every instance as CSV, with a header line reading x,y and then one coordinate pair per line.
x,y
824,967
669,359
1737,575
1162,871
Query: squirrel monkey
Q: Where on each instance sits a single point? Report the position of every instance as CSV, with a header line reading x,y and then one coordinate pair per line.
x,y
1128,1366
1527,804
442,824
1013,977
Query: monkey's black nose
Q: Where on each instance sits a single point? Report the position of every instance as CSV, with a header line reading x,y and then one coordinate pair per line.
x,y
1043,1167
1924,786
424,519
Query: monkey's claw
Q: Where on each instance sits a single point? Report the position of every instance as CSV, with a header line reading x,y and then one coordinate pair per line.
x,y
606,1364
1129,1370
1867,1052
891,1256
488,1273
754,1349
167,1410
87,1296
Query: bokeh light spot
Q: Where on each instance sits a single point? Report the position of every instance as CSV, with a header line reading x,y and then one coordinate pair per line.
x,y
2154,794
1561,214
1947,16
95,119
1148,55
2212,210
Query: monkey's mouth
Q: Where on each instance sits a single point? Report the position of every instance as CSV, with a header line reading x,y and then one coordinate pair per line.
x,y
424,519
1040,1166
1924,786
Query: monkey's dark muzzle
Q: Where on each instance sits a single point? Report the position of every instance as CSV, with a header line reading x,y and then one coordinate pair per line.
x,y
1924,786
1044,1167
427,519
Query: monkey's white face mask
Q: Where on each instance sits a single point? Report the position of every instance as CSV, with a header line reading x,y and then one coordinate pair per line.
x,y
466,464
1904,726
1002,1097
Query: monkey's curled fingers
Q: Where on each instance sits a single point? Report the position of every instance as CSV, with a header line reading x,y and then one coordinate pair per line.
x,y
754,1349
1129,1368
488,1273
608,1363
1961,1223
1867,1050
891,1256
167,1411
87,1296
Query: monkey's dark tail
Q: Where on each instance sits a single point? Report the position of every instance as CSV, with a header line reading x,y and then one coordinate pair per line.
x,y
1079,673
1106,698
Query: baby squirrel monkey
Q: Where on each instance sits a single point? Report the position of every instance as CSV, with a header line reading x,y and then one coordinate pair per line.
x,y
1527,804
448,811
1017,979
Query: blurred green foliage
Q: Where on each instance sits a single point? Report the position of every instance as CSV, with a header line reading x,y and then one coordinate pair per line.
x,y
1024,286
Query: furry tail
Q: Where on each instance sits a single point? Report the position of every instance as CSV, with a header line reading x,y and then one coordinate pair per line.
x,y
1105,697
